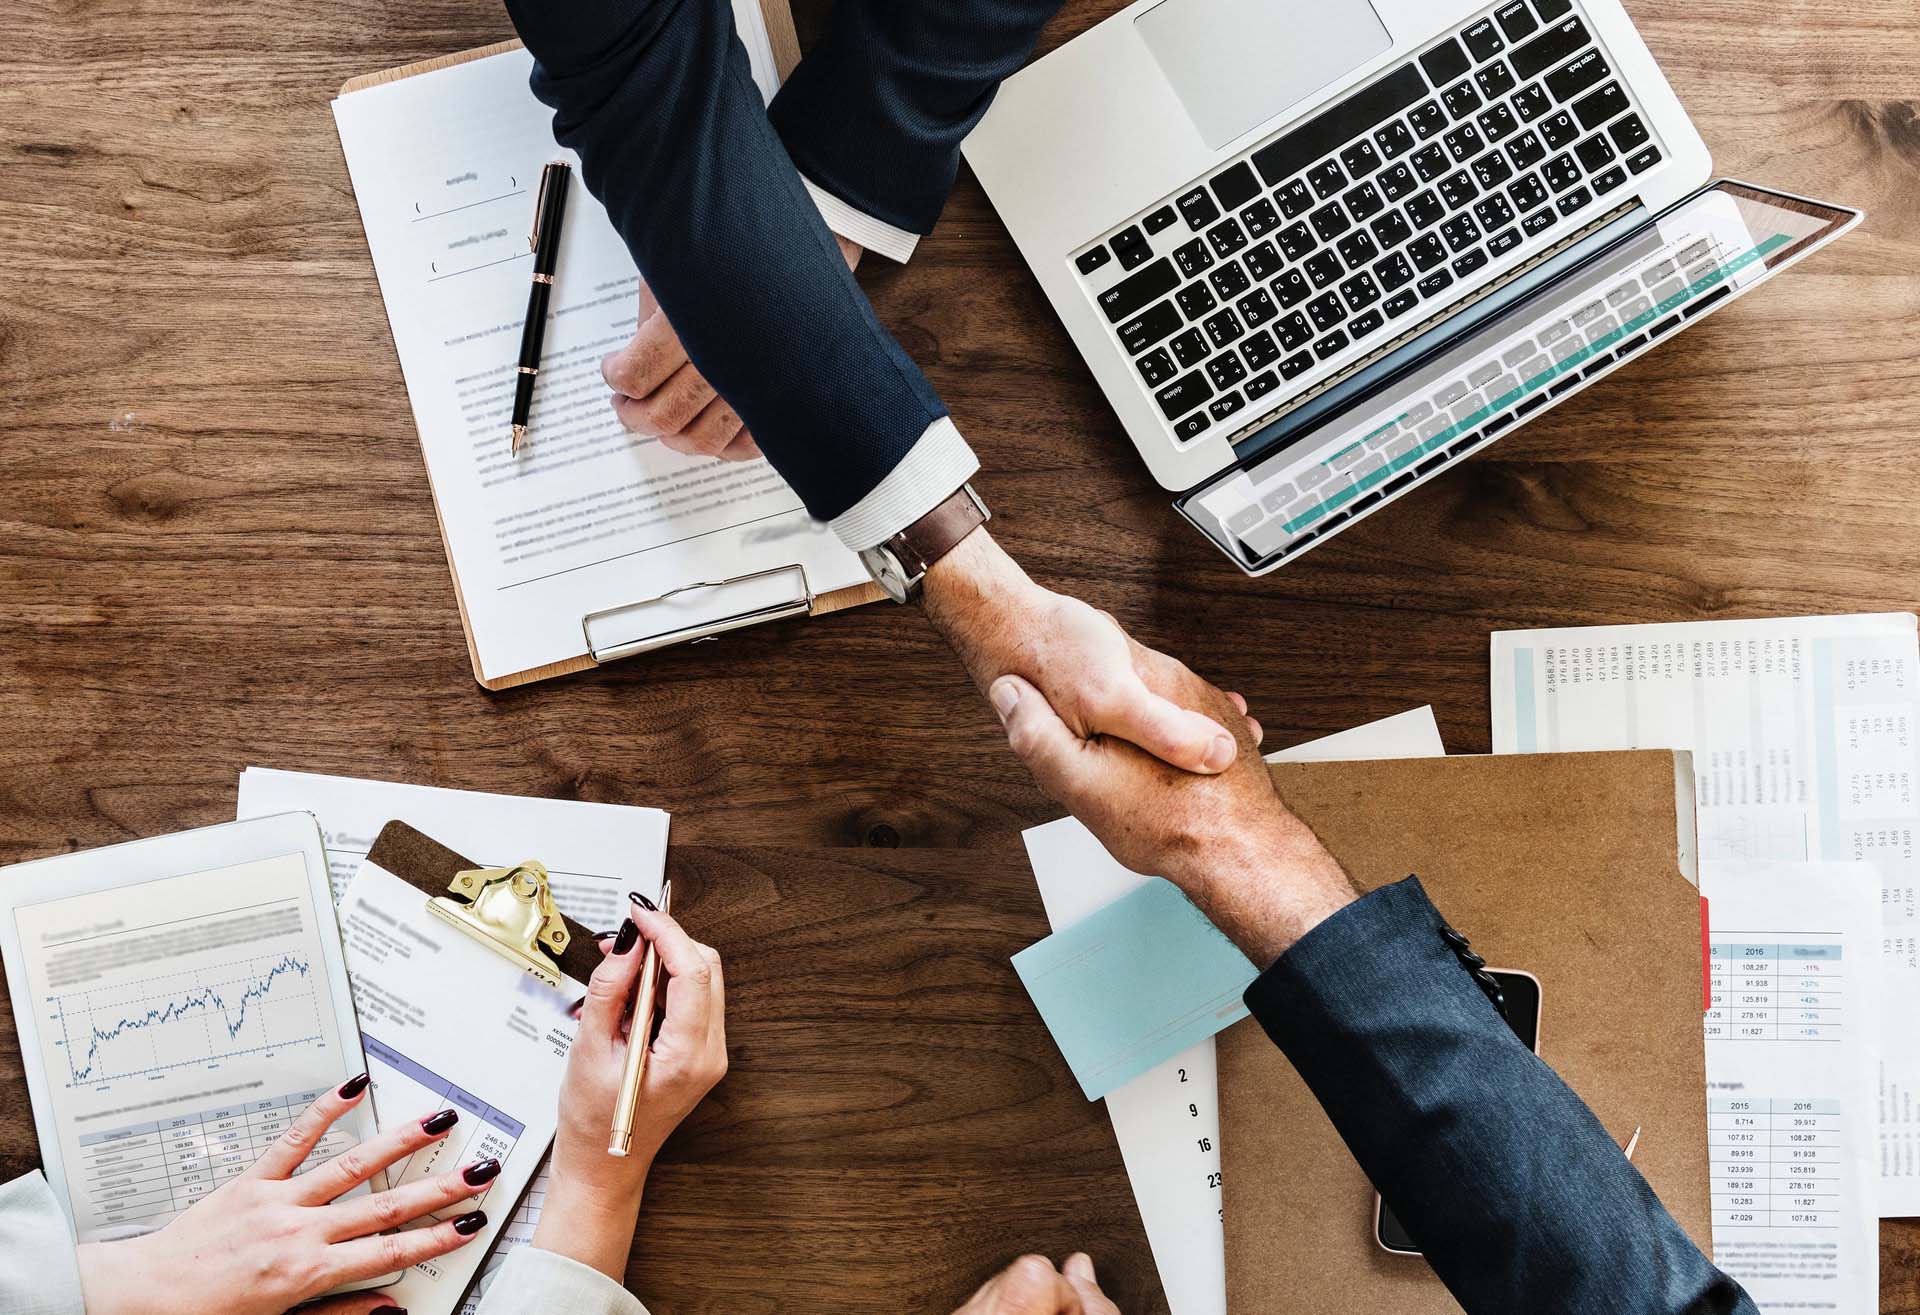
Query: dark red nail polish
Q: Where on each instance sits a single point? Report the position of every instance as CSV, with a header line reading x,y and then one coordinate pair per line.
x,y
354,1086
440,1122
389,1310
643,901
629,933
603,935
484,1172
469,1224
574,1008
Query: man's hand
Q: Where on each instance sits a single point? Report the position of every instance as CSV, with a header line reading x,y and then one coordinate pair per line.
x,y
1031,1286
657,391
1099,680
1254,868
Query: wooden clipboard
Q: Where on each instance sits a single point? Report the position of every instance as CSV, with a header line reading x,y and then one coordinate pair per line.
x,y
786,55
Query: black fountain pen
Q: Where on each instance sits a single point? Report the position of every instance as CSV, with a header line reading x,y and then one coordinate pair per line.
x,y
548,208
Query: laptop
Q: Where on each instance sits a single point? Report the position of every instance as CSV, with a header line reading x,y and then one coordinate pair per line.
x,y
1315,251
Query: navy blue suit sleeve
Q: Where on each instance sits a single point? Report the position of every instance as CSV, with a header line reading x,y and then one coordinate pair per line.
x,y
657,98
877,110
1516,1194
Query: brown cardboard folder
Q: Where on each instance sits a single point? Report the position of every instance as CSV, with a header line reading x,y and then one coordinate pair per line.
x,y
1577,868
786,54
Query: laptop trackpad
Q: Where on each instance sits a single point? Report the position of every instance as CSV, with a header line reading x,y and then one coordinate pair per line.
x,y
1237,63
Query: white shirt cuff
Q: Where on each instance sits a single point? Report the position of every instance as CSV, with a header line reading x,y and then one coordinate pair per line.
x,y
535,1282
938,463
877,236
39,1274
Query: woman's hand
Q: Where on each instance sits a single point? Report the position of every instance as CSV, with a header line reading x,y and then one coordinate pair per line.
x,y
594,1200
267,1240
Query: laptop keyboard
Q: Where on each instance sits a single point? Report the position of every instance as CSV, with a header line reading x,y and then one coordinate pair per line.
x,y
1288,504
1436,178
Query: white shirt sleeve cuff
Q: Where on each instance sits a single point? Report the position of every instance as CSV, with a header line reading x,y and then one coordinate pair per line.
x,y
938,463
536,1282
39,1273
877,236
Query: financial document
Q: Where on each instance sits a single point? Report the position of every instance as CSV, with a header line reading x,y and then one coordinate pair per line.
x,y
588,518
1167,1120
1803,732
1793,1037
595,854
449,1024
180,1057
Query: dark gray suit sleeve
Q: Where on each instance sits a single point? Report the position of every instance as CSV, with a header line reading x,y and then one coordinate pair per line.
x,y
1517,1195
657,98
877,110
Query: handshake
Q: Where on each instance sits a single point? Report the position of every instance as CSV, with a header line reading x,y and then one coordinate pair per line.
x,y
1160,765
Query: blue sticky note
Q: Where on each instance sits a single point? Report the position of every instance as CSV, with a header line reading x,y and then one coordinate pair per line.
x,y
1134,984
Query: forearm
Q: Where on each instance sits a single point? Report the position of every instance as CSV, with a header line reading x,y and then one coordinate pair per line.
x,y
876,112
657,99
585,1227
1517,1196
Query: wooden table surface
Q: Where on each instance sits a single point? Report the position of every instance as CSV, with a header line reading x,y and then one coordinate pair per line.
x,y
217,548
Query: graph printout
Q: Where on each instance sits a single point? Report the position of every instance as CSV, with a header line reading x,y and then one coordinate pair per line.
x,y
182,1023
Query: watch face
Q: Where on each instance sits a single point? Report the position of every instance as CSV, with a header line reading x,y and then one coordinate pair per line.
x,y
887,572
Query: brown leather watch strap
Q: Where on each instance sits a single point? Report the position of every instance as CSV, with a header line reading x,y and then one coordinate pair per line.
x,y
937,533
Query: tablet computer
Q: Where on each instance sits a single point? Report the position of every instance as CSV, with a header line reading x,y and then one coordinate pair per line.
x,y
180,1001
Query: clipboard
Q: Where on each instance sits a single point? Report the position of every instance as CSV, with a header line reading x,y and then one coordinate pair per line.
x,y
776,594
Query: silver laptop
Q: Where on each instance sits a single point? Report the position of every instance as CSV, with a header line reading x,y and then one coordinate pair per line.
x,y
1316,250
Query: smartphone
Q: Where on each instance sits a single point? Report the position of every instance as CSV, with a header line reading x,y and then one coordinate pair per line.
x,y
1522,991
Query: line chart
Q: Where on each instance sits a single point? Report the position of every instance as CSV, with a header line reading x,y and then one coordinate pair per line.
x,y
160,1022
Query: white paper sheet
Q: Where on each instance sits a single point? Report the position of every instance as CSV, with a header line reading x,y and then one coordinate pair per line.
x,y
588,517
1167,1121
595,854
1792,1059
1804,735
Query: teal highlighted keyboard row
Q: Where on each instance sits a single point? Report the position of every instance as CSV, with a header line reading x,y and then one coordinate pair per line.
x,y
1340,497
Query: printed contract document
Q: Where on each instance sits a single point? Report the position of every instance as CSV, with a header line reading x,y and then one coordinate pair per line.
x,y
1803,738
588,519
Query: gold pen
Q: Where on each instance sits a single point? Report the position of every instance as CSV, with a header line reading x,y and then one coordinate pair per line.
x,y
627,1107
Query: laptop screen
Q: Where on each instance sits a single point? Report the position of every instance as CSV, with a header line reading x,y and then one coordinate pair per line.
x,y
1710,248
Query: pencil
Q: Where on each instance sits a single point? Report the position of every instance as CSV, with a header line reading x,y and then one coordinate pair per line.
x,y
627,1107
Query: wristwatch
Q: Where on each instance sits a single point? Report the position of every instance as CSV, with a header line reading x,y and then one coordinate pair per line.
x,y
900,564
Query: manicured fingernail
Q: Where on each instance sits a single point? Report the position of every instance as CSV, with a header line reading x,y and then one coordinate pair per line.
x,y
575,1007
604,935
1220,753
469,1224
1005,697
484,1172
389,1310
624,941
440,1122
643,901
354,1086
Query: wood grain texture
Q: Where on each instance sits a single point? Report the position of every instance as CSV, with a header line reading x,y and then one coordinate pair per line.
x,y
219,549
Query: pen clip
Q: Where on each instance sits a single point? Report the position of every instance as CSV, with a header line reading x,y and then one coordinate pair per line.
x,y
540,206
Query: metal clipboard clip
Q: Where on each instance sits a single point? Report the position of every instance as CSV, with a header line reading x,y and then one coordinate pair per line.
x,y
795,601
511,912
